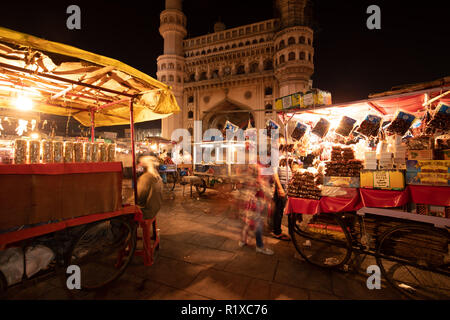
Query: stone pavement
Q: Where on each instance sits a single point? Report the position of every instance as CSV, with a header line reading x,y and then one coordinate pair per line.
x,y
199,258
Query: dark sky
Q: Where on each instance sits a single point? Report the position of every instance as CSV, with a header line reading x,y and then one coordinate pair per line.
x,y
350,60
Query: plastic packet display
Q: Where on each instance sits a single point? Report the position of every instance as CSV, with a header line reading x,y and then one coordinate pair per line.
x,y
440,120
230,126
95,151
47,151
299,131
58,151
20,151
111,152
78,151
271,125
87,151
102,156
401,123
345,126
370,126
68,151
321,128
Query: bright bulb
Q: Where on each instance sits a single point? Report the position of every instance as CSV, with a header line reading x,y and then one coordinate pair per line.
x,y
24,103
34,136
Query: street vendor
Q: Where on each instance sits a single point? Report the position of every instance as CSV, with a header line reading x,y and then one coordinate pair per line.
x,y
149,187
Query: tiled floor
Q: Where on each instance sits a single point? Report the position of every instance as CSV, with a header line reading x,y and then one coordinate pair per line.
x,y
199,259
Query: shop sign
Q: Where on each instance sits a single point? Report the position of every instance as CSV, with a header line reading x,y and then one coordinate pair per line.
x,y
381,179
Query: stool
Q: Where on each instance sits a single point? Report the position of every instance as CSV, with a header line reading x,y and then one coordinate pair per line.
x,y
150,241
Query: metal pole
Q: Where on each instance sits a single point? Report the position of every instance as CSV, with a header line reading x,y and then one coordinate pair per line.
x,y
92,126
133,150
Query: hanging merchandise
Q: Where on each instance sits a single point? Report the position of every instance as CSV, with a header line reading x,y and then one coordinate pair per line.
x,y
22,127
299,131
345,126
271,125
231,127
321,128
401,123
370,126
440,121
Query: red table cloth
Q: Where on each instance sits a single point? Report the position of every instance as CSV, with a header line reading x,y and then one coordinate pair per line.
x,y
375,198
61,168
304,206
324,205
437,196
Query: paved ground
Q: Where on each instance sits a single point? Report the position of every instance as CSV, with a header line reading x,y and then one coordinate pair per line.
x,y
200,258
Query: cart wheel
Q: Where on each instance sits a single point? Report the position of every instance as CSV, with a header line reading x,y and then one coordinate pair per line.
x,y
103,251
415,260
201,188
321,239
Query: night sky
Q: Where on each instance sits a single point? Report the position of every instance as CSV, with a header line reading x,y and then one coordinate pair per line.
x,y
350,61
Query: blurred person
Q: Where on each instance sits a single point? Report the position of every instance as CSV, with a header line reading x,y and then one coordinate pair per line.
x,y
256,193
149,186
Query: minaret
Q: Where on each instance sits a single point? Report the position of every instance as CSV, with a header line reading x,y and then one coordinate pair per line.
x,y
171,63
293,41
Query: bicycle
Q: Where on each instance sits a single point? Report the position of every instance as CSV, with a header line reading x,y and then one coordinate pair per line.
x,y
101,249
414,257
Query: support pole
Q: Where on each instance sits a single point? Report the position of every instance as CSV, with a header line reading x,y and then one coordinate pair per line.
x,y
133,150
92,126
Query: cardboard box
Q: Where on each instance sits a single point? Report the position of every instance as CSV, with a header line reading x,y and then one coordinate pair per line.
x,y
382,179
428,172
346,182
420,154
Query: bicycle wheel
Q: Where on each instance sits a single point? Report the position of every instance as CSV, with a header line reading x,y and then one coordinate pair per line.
x,y
201,188
103,251
414,259
321,239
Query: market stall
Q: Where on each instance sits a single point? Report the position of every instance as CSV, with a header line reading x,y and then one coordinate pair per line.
x,y
53,183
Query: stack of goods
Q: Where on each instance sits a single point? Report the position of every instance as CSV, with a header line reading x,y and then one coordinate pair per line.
x,y
35,151
420,148
47,151
345,126
58,150
343,163
304,185
370,126
370,160
401,124
286,148
20,151
78,152
399,150
386,160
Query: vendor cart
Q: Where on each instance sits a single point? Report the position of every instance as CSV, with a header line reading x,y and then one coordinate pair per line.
x,y
401,219
68,207
221,171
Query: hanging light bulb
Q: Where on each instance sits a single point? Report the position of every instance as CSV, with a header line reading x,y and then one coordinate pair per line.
x,y
23,103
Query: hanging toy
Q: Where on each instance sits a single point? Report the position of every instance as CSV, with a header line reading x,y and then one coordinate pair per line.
x,y
22,127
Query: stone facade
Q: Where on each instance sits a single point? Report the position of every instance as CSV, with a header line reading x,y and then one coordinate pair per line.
x,y
243,68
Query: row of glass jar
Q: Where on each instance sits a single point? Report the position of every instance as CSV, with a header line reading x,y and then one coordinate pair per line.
x,y
47,151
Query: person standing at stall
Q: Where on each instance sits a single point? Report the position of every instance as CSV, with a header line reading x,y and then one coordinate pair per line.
x,y
281,178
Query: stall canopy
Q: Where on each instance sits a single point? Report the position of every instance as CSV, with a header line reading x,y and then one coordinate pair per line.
x,y
384,104
67,81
